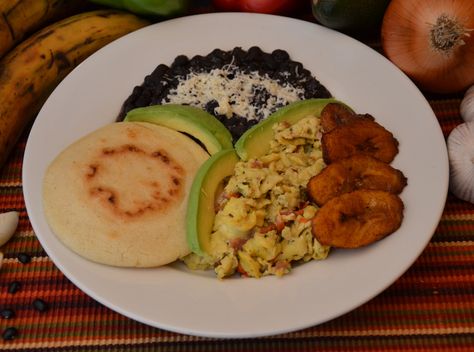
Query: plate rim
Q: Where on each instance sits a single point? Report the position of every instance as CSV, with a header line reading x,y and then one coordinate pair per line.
x,y
120,310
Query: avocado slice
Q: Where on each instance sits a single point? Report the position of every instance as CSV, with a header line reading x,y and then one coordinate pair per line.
x,y
188,119
255,141
202,196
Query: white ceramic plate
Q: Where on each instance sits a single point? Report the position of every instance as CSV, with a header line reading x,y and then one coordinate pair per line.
x,y
175,299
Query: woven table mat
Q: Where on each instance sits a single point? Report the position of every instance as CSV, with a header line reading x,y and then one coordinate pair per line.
x,y
429,308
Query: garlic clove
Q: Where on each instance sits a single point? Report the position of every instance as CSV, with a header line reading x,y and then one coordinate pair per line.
x,y
8,225
461,161
466,109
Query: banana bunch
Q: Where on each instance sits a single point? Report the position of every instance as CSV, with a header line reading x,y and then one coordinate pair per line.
x,y
21,17
33,68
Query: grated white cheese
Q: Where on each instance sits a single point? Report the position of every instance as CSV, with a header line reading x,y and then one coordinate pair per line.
x,y
234,92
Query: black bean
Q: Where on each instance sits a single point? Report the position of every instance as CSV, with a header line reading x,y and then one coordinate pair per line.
x,y
217,54
160,70
197,62
149,81
7,313
260,96
314,88
144,99
216,62
306,73
254,54
40,305
180,60
270,63
10,333
210,106
156,98
14,286
221,54
253,66
24,258
280,55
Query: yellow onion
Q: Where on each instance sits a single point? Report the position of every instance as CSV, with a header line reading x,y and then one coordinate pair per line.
x,y
432,42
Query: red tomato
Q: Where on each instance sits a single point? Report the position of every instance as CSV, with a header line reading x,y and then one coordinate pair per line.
x,y
261,6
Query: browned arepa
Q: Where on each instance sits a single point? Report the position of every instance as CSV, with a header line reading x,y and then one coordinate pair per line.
x,y
118,196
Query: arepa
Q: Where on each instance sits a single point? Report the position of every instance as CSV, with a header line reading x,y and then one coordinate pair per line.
x,y
118,196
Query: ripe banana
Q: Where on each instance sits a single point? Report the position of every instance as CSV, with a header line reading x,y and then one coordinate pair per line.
x,y
21,17
31,71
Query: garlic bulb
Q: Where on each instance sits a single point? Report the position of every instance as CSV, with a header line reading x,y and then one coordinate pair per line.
x,y
467,105
8,225
461,161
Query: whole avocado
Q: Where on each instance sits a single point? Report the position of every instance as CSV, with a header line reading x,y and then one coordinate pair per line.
x,y
350,16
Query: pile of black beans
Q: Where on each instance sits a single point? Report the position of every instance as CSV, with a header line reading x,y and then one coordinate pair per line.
x,y
277,65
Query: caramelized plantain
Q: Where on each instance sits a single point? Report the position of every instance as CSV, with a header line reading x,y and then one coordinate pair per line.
x,y
361,136
358,218
357,172
335,114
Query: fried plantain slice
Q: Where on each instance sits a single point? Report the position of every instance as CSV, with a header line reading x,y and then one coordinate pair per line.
x,y
361,136
356,172
335,114
357,219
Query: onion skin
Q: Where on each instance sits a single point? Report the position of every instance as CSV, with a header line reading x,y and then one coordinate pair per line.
x,y
406,41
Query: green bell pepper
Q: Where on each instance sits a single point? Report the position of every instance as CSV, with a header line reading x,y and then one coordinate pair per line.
x,y
165,8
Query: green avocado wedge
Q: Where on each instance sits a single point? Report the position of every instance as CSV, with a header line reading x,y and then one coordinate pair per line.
x,y
201,204
187,119
255,142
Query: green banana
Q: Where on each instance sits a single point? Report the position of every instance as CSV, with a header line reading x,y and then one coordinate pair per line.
x,y
19,18
31,71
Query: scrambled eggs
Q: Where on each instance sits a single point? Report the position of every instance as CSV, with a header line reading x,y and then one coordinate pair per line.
x,y
263,223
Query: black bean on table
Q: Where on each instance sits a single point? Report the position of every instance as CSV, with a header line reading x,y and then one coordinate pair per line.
x,y
24,258
10,333
14,287
7,313
40,305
